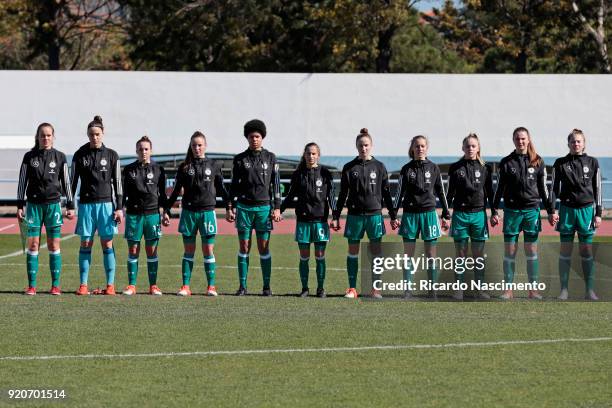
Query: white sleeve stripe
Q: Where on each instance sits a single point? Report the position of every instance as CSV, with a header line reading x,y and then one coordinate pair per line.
x,y
399,191
22,182
67,183
598,176
332,196
443,192
118,178
545,187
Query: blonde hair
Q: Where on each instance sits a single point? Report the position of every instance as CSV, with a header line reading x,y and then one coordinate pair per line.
x,y
413,141
475,137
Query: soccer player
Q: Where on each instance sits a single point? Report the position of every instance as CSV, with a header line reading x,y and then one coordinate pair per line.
x,y
201,180
256,185
144,186
470,187
577,183
313,186
43,178
420,183
100,201
522,184
364,186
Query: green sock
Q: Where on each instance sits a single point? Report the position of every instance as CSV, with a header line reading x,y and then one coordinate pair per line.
x,y
187,267
408,272
509,265
588,269
55,264
320,272
243,268
209,268
565,264
152,266
132,269
266,269
304,269
32,267
533,268
432,274
352,266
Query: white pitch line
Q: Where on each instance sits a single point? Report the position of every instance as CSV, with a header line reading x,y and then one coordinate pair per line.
x,y
305,350
17,253
7,227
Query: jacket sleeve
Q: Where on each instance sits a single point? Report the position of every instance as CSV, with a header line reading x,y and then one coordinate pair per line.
x,y
597,189
23,183
344,186
292,191
66,184
275,185
499,191
439,188
386,194
452,181
221,190
401,191
74,174
178,185
488,188
331,192
235,182
161,189
117,184
555,189
543,188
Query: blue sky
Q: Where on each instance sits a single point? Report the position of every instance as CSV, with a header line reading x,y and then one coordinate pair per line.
x,y
425,5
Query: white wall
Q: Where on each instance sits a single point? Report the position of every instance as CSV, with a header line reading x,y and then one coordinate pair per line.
x,y
298,108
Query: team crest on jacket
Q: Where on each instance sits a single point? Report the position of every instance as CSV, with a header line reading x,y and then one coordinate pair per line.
x,y
427,174
319,182
103,162
477,173
531,170
52,165
585,169
34,163
373,175
207,172
149,176
265,166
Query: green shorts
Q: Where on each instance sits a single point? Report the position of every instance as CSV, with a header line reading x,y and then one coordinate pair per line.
x,y
309,232
516,221
572,220
357,225
193,221
137,224
253,217
425,224
469,225
48,214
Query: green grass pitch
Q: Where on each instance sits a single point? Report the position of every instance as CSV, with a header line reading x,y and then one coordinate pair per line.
x,y
557,374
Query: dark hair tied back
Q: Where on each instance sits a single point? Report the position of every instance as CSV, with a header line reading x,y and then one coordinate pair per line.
x,y
96,122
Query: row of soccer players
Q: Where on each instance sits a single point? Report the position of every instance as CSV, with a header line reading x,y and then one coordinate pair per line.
x,y
254,201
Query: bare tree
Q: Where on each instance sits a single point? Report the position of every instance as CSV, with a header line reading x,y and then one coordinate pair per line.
x,y
598,34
